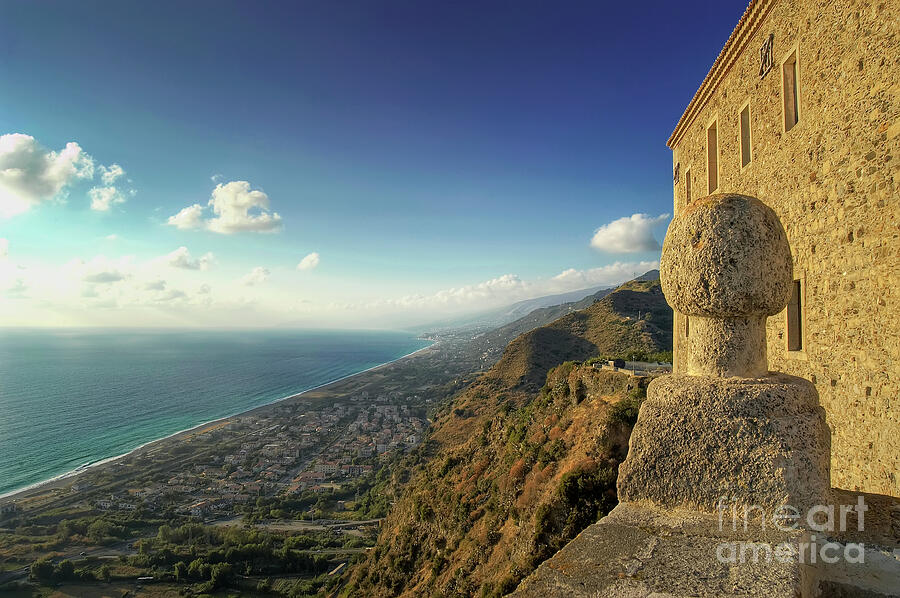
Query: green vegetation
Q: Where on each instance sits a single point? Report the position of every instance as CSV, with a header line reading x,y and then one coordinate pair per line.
x,y
637,355
523,459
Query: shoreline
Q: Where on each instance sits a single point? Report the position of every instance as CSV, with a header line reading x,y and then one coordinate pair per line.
x,y
57,480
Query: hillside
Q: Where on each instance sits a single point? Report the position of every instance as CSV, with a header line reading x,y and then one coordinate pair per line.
x,y
522,460
494,342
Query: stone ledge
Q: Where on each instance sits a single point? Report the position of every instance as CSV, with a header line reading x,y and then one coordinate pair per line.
x,y
753,441
638,552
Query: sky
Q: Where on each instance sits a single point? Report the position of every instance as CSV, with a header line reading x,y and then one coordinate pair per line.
x,y
362,164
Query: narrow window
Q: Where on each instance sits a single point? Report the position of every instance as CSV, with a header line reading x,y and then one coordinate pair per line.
x,y
712,158
687,326
687,186
746,156
791,92
795,319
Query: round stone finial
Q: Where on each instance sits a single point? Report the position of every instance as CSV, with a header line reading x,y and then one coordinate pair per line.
x,y
724,256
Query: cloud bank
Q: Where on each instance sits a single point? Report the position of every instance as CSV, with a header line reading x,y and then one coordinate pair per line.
x,y
510,288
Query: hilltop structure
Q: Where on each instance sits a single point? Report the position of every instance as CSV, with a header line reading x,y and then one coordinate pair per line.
x,y
726,489
802,110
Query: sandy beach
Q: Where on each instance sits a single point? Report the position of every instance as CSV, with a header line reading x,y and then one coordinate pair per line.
x,y
345,385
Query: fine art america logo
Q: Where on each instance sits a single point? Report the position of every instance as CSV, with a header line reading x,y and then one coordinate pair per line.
x,y
823,519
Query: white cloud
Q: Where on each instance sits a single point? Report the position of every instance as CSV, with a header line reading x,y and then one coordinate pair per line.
x,y
628,235
216,177
235,208
510,288
110,174
256,276
110,193
4,248
155,285
17,289
30,174
104,277
232,203
172,295
612,274
181,258
104,197
100,269
505,288
112,237
188,218
309,262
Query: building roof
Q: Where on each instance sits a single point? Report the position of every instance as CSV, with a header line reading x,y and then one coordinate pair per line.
x,y
737,41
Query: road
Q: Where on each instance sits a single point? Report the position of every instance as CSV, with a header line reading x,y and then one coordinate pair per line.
x,y
113,551
299,525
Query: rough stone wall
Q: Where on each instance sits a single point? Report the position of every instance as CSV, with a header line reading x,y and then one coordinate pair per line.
x,y
833,180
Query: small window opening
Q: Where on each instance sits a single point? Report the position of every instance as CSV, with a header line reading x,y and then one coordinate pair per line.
x,y
687,326
791,92
746,155
687,185
712,158
795,319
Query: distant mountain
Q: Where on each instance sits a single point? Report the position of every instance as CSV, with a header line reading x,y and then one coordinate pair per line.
x,y
493,342
503,315
633,316
523,308
650,275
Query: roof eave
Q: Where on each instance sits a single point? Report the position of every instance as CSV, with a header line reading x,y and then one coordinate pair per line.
x,y
745,29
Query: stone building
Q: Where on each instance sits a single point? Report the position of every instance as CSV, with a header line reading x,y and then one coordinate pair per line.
x,y
802,110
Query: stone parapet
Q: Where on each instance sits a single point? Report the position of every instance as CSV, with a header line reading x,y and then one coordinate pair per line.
x,y
746,441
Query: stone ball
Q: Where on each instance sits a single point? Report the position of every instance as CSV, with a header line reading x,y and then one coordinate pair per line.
x,y
726,255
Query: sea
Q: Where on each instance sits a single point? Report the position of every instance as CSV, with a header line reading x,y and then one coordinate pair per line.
x,y
71,398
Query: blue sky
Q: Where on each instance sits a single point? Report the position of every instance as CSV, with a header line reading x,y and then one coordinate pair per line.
x,y
438,157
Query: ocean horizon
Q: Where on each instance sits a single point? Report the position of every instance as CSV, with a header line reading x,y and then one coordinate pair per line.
x,y
70,398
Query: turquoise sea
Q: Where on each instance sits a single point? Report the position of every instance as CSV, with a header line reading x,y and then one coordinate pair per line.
x,y
69,398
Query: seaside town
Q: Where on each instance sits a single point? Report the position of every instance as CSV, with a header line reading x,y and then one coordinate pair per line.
x,y
285,450
313,466
319,442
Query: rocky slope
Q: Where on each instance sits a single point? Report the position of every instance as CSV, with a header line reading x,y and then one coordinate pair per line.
x,y
522,460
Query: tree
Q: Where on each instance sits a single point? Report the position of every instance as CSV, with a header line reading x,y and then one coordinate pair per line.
x,y
197,569
164,534
42,569
105,573
64,529
64,570
220,574
181,571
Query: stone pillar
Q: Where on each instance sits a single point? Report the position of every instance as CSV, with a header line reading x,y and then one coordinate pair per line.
x,y
723,427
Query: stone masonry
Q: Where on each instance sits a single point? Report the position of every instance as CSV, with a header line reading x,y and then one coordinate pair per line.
x,y
832,179
726,432
726,428
725,437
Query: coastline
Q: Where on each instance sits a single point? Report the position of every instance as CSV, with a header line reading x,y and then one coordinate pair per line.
x,y
64,479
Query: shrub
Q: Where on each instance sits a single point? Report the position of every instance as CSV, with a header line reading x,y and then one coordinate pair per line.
x,y
626,410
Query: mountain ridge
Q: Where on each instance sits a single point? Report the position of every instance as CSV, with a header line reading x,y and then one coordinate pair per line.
x,y
521,460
